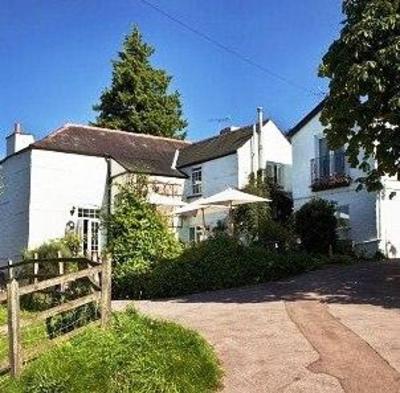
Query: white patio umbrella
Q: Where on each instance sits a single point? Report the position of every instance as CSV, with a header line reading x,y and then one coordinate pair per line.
x,y
231,198
195,207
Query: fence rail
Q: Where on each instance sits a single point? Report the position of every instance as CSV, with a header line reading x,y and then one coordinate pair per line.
x,y
100,294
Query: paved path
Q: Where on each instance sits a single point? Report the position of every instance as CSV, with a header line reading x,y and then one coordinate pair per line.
x,y
335,330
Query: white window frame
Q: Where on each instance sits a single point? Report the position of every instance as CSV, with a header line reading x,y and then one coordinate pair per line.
x,y
196,181
89,217
197,233
277,171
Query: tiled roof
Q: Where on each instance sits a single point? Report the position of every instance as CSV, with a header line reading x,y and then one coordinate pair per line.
x,y
215,147
135,152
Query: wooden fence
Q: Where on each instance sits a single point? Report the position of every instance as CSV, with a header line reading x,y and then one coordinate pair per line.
x,y
99,278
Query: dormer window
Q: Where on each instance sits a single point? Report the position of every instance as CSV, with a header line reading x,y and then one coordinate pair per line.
x,y
196,181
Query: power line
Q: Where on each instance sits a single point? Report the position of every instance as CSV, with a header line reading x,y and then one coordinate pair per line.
x,y
229,50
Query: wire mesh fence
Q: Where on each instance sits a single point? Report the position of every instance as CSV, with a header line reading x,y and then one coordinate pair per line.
x,y
40,310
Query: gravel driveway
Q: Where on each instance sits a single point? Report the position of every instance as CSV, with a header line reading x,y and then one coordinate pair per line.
x,y
330,331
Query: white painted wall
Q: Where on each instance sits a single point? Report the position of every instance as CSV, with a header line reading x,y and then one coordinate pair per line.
x,y
362,205
276,148
14,206
217,175
389,218
244,159
59,182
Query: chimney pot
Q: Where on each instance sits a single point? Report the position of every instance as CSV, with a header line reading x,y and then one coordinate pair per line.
x,y
17,128
18,140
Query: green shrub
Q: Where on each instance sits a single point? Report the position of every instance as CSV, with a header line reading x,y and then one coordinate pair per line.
x,y
218,263
275,235
68,246
265,223
136,354
138,235
316,225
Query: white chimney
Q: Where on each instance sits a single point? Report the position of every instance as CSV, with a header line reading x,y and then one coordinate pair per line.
x,y
259,129
18,140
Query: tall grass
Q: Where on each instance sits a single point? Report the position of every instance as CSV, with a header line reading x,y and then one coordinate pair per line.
x,y
136,354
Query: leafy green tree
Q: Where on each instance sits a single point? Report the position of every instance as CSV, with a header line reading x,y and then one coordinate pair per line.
x,y
363,105
268,223
139,99
138,236
248,219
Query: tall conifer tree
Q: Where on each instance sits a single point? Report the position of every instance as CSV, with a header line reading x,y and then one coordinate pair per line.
x,y
138,99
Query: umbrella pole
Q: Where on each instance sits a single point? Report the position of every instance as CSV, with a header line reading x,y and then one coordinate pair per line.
x,y
204,223
230,224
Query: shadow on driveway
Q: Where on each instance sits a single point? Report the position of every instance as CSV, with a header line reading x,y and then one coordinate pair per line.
x,y
374,283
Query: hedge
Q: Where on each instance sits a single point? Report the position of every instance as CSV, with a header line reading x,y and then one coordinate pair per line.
x,y
218,263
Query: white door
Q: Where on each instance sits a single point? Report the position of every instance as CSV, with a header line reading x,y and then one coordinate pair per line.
x,y
88,228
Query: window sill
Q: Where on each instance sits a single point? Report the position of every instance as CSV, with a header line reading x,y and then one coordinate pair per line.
x,y
330,183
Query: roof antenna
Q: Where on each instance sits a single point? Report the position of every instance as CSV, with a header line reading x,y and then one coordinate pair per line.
x,y
220,120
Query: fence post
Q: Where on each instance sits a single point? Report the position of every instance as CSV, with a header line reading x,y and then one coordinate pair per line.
x,y
10,270
35,268
14,328
105,291
61,270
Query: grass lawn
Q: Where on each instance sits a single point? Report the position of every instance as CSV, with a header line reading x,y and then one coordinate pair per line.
x,y
31,335
136,354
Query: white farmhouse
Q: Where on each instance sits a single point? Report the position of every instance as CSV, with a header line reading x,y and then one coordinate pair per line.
x,y
370,219
62,182
227,160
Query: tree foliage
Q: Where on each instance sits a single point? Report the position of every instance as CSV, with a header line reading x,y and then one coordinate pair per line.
x,y
268,223
363,105
137,234
138,237
139,99
316,225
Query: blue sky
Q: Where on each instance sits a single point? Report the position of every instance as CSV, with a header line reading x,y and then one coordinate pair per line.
x,y
56,58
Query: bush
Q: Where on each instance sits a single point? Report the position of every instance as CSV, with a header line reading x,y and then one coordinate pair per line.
x,y
266,223
138,235
275,235
316,225
136,354
218,263
68,246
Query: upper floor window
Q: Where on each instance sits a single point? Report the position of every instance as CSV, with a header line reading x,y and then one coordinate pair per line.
x,y
275,172
329,169
196,181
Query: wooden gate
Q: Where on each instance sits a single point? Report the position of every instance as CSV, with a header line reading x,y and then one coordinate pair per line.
x,y
98,276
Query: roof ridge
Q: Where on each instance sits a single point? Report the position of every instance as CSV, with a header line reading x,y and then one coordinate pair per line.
x,y
86,126
53,133
241,128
